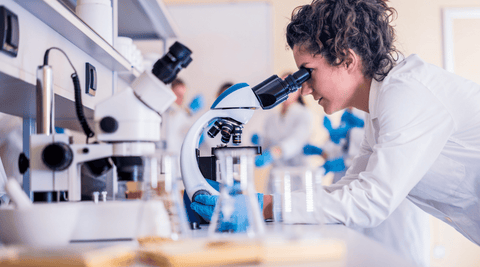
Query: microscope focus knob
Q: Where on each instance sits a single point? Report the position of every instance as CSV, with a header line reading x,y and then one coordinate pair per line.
x,y
57,156
109,124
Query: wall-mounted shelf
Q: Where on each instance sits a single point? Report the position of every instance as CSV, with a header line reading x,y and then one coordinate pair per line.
x,y
67,24
145,19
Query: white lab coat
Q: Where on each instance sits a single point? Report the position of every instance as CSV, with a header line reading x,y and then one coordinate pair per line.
x,y
421,143
175,125
407,229
290,132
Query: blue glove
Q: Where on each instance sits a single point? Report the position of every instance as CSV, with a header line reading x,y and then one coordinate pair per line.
x,y
351,120
204,205
335,134
196,104
255,139
338,134
312,150
327,123
265,159
59,130
336,165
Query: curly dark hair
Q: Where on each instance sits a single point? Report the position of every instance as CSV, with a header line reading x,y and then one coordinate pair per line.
x,y
332,27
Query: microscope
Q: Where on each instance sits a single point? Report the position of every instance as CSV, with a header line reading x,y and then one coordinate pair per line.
x,y
127,126
230,111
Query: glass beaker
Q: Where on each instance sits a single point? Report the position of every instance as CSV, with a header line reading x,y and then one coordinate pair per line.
x,y
162,214
169,191
237,208
296,195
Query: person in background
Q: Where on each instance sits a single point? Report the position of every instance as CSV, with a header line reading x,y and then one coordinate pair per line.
x,y
407,229
285,134
177,119
422,123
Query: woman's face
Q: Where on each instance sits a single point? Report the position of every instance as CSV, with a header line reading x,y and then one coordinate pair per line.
x,y
332,86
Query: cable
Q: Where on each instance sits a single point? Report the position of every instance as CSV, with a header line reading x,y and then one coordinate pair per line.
x,y
78,95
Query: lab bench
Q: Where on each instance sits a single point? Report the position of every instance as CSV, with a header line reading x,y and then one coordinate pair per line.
x,y
358,251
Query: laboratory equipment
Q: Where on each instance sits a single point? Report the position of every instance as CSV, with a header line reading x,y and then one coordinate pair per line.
x,y
127,126
230,111
237,208
169,192
296,191
97,14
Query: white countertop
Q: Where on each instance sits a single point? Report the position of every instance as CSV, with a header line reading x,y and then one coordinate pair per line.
x,y
360,250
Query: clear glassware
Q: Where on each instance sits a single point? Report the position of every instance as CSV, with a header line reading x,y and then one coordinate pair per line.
x,y
169,192
237,209
296,196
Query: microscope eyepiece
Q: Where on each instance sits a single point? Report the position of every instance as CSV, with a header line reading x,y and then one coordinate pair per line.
x,y
274,90
167,67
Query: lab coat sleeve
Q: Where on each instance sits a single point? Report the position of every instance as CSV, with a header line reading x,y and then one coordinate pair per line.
x,y
359,164
411,127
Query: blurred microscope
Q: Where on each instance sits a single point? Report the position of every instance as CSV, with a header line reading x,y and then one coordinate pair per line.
x,y
127,126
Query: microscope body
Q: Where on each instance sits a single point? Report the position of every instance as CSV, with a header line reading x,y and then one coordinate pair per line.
x,y
127,130
237,105
233,108
127,126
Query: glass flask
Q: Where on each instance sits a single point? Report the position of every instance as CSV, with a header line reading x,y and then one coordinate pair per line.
x,y
237,209
168,190
296,197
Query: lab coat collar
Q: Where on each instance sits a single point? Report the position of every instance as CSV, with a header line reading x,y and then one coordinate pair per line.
x,y
372,98
375,87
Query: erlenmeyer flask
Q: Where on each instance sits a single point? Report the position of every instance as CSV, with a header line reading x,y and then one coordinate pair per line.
x,y
169,192
237,209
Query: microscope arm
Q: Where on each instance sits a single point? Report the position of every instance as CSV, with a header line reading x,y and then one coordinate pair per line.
x,y
192,177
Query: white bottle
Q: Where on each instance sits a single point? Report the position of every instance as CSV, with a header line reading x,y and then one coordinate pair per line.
x,y
98,15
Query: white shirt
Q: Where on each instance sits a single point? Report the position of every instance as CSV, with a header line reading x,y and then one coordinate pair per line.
x,y
422,141
175,125
290,132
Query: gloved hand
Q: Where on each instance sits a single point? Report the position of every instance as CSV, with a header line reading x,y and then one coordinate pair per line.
x,y
255,139
59,130
196,104
351,120
204,205
312,150
335,134
265,159
336,165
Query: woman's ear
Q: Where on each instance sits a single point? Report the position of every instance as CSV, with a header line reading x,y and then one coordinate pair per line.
x,y
353,60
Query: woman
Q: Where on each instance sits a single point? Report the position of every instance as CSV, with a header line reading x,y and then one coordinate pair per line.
x,y
422,125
